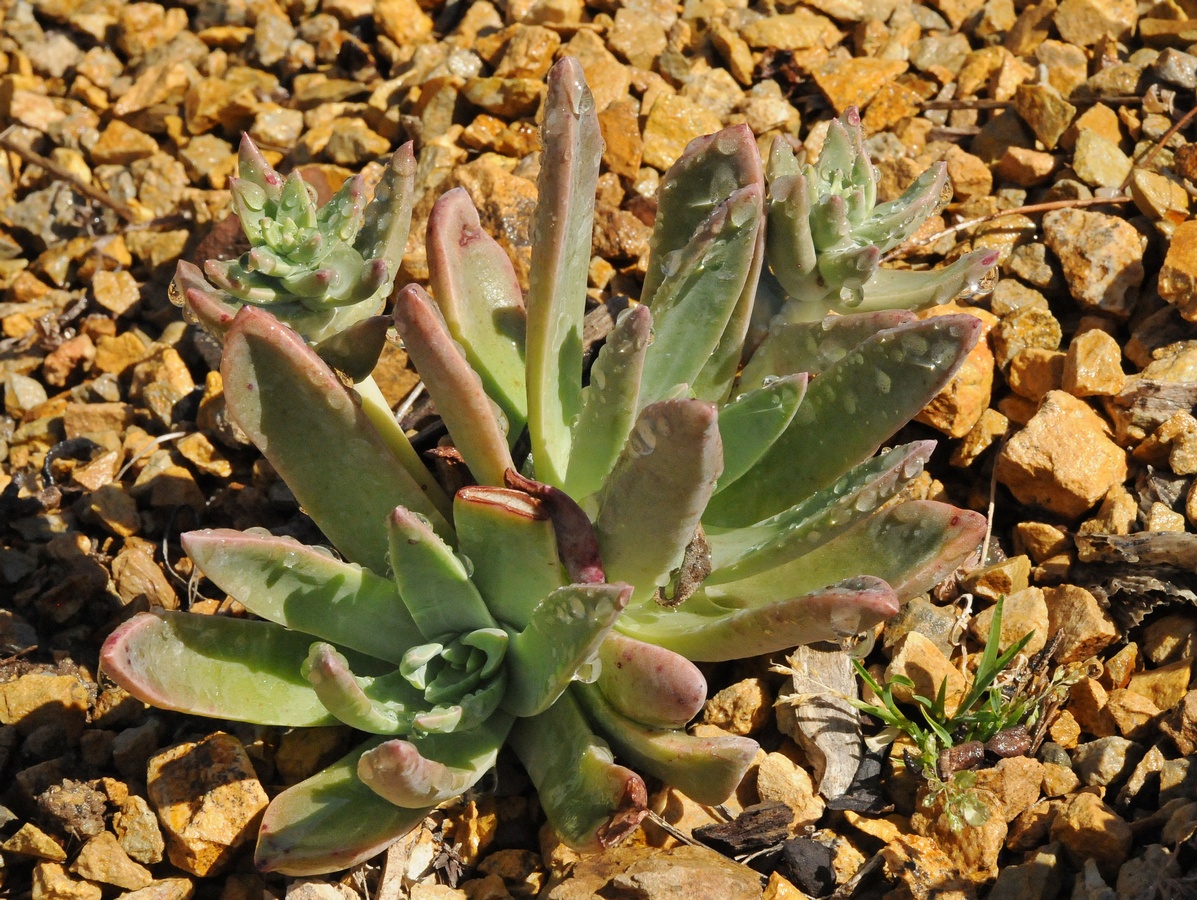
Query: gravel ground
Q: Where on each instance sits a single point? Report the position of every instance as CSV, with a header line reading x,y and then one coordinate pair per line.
x,y
1065,128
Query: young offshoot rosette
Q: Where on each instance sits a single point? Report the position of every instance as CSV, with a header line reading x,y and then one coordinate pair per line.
x,y
827,233
690,501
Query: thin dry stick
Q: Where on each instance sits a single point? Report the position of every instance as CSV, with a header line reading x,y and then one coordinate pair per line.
x,y
93,193
1147,157
1021,210
981,103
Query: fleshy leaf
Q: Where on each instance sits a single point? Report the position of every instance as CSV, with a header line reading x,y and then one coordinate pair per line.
x,y
878,387
577,543
426,771
650,505
388,216
741,552
750,424
560,261
609,402
456,388
478,293
695,303
649,684
294,408
813,347
378,411
705,631
911,546
329,822
590,801
392,708
433,582
706,769
508,538
714,381
306,589
565,632
214,666
710,170
355,350
971,273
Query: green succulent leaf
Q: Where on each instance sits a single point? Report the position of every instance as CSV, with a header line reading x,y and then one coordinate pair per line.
x,y
563,636
609,403
878,387
456,388
562,228
331,821
706,769
428,771
813,347
387,219
293,406
392,708
306,589
215,666
694,306
710,170
749,424
355,351
715,626
590,801
912,546
650,505
432,580
741,552
478,293
508,538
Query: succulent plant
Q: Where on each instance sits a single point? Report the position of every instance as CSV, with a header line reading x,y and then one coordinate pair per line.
x,y
676,507
827,233
325,270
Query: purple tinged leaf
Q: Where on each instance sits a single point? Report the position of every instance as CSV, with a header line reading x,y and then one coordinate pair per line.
x,y
706,769
295,409
476,288
211,309
649,684
706,284
454,386
561,243
214,666
430,769
253,167
577,542
710,170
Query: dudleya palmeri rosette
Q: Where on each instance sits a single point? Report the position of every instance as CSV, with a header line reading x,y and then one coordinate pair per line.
x,y
682,504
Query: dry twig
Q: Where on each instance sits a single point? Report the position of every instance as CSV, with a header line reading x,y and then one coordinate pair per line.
x,y
58,171
1020,210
